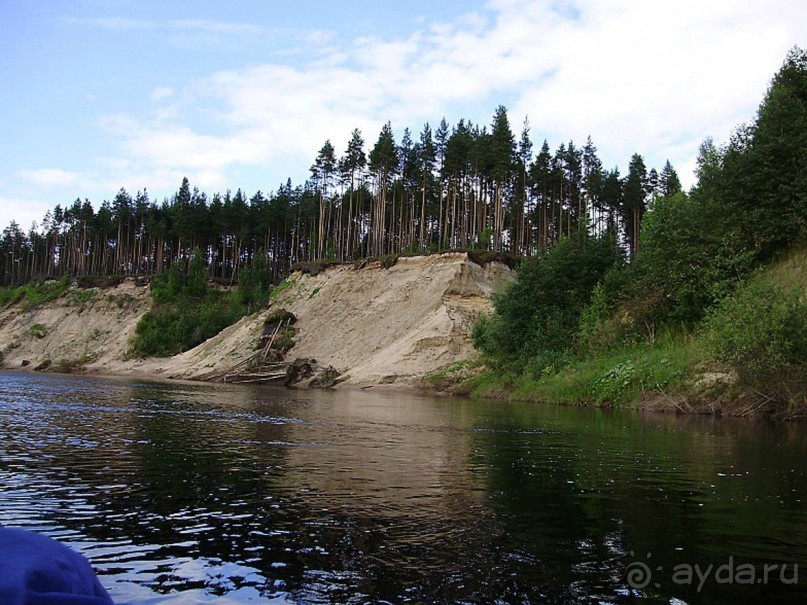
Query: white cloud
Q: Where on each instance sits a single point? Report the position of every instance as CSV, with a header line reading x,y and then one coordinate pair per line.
x,y
161,92
637,76
24,211
203,25
49,178
118,23
217,27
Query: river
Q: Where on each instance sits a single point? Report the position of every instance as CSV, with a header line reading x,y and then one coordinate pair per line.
x,y
188,493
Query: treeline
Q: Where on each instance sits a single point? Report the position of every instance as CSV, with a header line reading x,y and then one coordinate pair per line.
x,y
694,297
468,186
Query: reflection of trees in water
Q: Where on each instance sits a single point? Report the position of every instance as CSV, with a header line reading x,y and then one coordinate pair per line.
x,y
344,497
584,488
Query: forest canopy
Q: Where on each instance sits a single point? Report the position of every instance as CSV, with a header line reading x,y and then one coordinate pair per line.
x,y
459,187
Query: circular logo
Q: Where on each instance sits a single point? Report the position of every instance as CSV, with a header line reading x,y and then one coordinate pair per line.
x,y
638,575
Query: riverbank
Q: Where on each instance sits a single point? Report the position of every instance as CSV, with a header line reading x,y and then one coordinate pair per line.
x,y
405,327
670,376
746,357
376,325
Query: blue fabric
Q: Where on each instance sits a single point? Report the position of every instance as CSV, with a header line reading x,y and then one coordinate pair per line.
x,y
37,570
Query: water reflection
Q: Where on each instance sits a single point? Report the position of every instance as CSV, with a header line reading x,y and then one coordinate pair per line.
x,y
188,493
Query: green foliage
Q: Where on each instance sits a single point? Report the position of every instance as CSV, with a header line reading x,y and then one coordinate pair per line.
x,y
35,294
749,204
594,314
769,193
120,300
761,333
605,322
169,329
177,285
613,383
285,340
388,260
280,288
538,314
619,376
186,312
484,239
82,297
255,282
38,331
690,259
10,295
66,365
454,377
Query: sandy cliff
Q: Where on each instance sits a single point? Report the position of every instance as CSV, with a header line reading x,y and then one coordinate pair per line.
x,y
374,325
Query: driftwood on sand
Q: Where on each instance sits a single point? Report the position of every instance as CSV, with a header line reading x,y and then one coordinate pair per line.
x,y
268,364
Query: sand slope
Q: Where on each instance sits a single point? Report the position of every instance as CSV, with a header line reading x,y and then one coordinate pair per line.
x,y
90,328
374,325
381,326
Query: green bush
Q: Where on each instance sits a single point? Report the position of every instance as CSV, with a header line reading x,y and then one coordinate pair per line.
x,y
121,300
38,331
82,297
761,333
186,312
35,293
255,282
10,295
538,314
169,329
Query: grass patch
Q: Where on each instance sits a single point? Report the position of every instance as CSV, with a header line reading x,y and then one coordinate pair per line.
x,y
120,300
281,287
83,297
456,378
35,293
38,331
619,377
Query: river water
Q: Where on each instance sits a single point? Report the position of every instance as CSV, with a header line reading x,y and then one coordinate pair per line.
x,y
188,493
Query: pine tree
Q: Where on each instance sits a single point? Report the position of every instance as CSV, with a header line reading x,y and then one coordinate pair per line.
x,y
669,183
322,173
383,164
524,159
636,189
428,157
502,152
352,166
593,183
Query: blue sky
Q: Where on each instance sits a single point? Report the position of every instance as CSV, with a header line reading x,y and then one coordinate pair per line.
x,y
103,94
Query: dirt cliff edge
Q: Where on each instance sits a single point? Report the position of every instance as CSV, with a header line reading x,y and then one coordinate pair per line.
x,y
374,325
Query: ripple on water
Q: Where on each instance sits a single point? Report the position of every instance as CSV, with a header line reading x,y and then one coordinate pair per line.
x,y
184,494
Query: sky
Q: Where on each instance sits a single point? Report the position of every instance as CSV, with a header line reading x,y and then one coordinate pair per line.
x,y
96,95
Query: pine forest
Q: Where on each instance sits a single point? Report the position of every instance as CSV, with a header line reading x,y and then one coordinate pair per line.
x,y
460,187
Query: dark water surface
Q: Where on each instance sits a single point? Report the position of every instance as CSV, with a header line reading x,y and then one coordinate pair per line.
x,y
194,493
